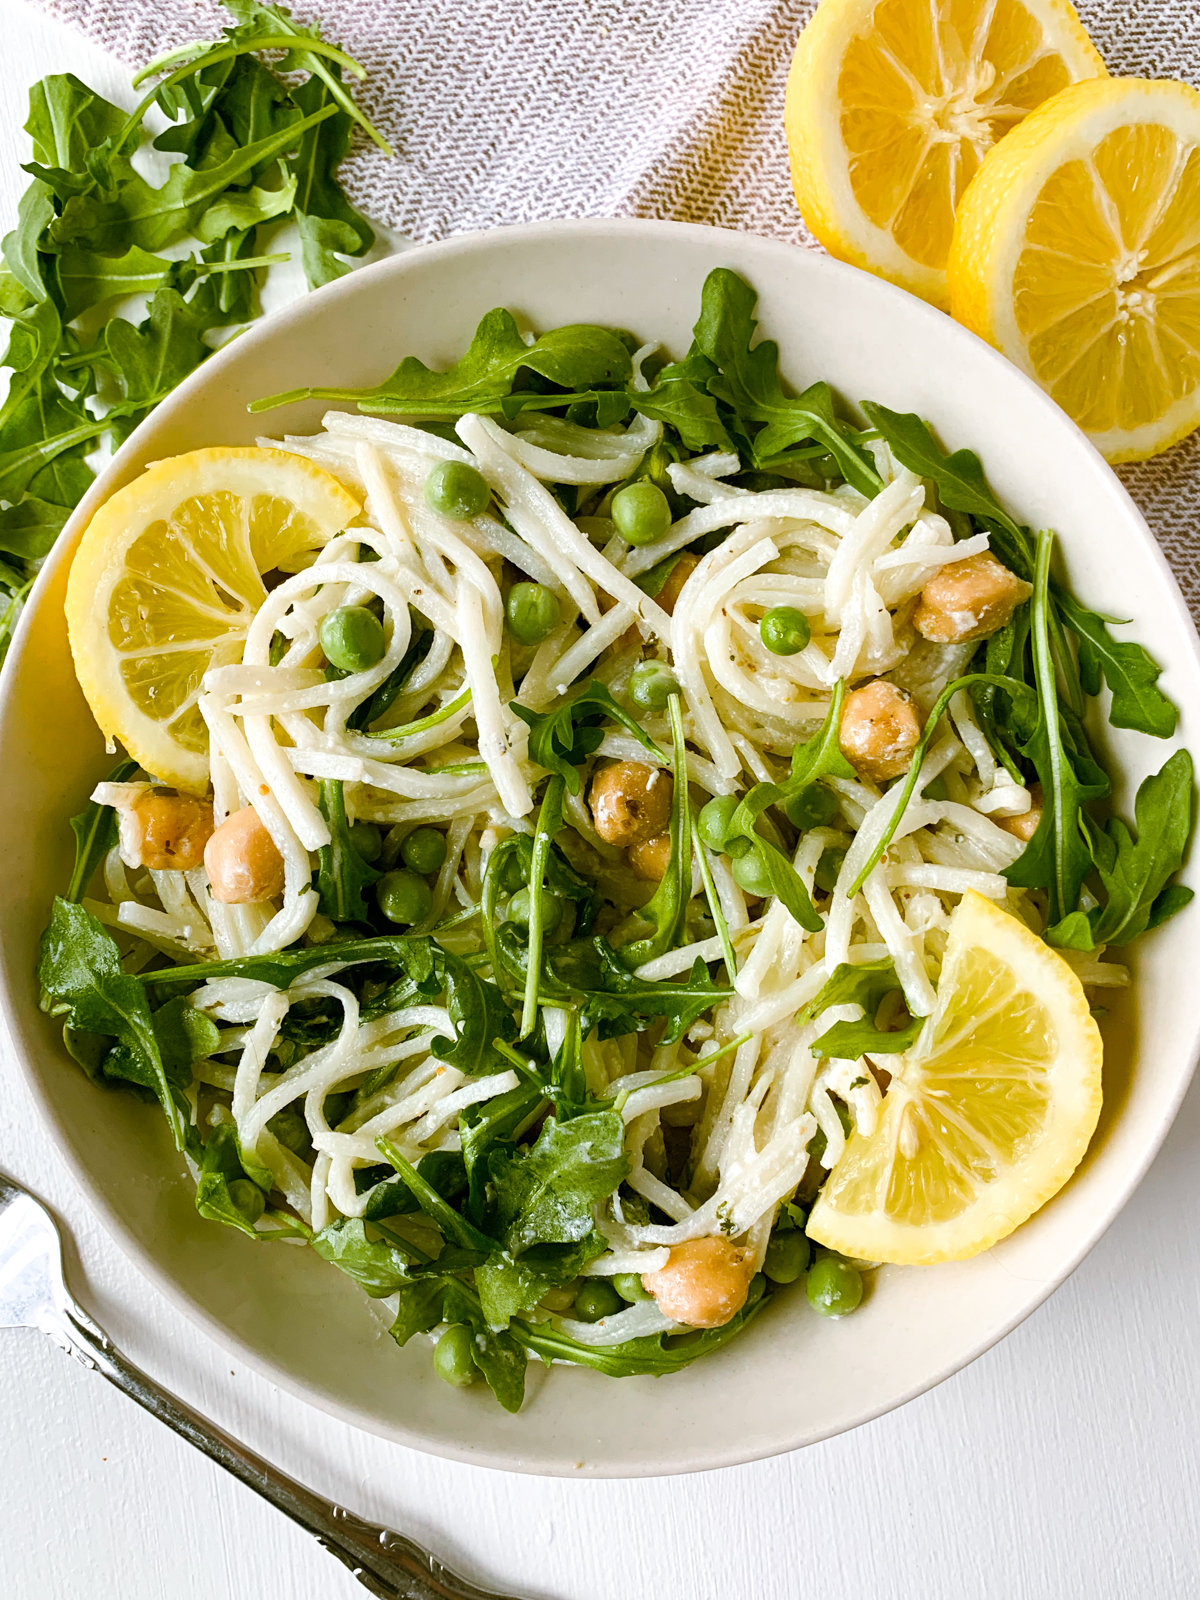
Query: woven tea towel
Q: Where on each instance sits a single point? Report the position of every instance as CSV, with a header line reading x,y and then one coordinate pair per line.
x,y
506,111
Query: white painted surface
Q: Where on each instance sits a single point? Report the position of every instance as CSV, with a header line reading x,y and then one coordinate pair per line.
x,y
1064,1463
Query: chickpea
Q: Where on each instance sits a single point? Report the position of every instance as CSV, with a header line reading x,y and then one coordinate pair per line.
x,y
1025,826
631,802
165,832
651,858
880,730
704,1283
676,578
244,866
969,599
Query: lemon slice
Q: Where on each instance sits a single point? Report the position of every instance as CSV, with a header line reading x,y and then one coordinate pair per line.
x,y
893,104
987,1116
166,581
1077,253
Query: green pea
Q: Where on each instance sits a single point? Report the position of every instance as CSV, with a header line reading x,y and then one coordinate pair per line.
x,y
403,897
828,868
787,1256
597,1298
814,806
641,512
290,1128
352,638
532,611
834,1287
424,850
367,841
651,684
630,1287
521,904
750,874
248,1198
454,1356
784,631
713,826
456,490
510,875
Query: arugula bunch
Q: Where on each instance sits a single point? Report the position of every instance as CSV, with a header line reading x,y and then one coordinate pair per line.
x,y
255,151
1031,683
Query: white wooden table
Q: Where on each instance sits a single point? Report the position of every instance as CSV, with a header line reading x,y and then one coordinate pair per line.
x,y
1063,1463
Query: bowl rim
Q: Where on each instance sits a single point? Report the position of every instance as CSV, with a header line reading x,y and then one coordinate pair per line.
x,y
24,1052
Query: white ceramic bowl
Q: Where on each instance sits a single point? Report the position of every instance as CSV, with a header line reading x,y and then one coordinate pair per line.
x,y
793,1377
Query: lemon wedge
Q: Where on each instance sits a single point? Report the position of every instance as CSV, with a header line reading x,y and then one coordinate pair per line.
x,y
1077,253
987,1116
167,579
892,106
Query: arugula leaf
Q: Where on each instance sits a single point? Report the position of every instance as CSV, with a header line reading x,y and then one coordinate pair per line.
x,y
480,1014
419,1308
1134,872
283,967
35,212
82,980
574,357
865,984
377,1266
1129,670
847,1041
509,1287
87,278
692,412
329,225
666,909
562,738
749,382
483,1127
342,874
443,1170
455,1226
184,1035
28,529
546,1196
498,1355
95,830
224,1191
960,481
626,1003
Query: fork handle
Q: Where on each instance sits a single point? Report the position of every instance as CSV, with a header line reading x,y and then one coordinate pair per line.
x,y
386,1563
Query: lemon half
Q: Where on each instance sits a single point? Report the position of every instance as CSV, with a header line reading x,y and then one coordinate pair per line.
x,y
987,1116
1077,253
167,579
892,106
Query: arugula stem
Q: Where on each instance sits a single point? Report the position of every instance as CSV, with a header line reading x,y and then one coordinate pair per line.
x,y
1047,688
618,1101
192,53
551,812
454,1225
714,904
1010,685
423,723
228,52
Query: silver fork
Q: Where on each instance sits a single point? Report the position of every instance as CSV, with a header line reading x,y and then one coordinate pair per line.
x,y
33,1294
